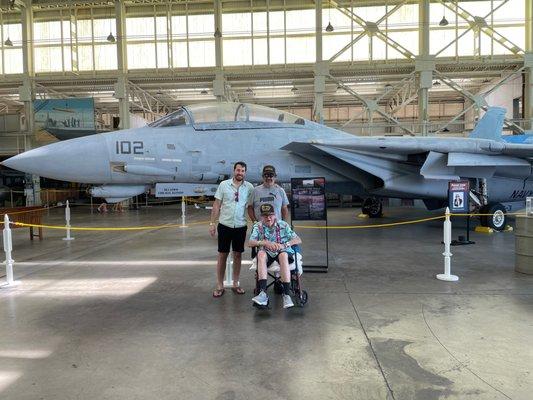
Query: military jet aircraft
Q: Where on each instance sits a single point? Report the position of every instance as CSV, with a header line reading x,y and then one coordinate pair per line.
x,y
200,143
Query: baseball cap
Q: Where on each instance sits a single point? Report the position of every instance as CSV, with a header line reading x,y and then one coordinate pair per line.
x,y
267,209
269,169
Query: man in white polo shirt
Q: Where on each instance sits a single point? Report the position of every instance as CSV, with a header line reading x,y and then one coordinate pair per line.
x,y
230,210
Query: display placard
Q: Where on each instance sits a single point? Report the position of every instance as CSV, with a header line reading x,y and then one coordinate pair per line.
x,y
458,196
308,199
185,189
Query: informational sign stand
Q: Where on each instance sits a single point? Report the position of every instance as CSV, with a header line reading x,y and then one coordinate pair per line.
x,y
308,203
459,203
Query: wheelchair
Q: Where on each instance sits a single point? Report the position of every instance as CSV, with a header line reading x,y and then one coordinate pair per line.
x,y
298,294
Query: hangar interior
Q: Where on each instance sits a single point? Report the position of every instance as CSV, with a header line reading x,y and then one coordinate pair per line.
x,y
122,314
371,67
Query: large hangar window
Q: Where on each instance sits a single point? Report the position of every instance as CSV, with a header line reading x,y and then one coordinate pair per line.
x,y
70,44
11,56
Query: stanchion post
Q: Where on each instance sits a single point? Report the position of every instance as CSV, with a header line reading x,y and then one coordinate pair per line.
x,y
183,208
91,197
228,277
447,276
8,248
67,222
11,195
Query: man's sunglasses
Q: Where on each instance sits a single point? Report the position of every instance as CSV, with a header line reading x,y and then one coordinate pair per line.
x,y
268,175
237,196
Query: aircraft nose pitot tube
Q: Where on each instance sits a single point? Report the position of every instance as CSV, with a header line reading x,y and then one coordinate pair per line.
x,y
77,160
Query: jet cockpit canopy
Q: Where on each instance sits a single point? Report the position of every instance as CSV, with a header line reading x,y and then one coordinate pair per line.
x,y
227,115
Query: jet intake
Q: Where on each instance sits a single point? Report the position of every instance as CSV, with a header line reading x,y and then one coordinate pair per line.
x,y
117,191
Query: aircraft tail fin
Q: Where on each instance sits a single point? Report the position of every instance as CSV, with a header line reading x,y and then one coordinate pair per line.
x,y
490,125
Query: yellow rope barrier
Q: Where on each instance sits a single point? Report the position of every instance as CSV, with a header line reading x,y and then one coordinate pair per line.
x,y
129,228
417,221
29,211
165,226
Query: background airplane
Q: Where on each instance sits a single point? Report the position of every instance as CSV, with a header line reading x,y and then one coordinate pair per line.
x,y
200,143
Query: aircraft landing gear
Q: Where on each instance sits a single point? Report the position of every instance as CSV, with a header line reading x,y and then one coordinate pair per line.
x,y
372,207
497,220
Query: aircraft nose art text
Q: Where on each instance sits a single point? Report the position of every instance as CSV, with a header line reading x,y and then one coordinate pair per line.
x,y
77,160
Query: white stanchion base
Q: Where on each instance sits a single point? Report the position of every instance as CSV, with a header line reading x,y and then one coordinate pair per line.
x,y
6,285
69,238
183,226
449,278
228,284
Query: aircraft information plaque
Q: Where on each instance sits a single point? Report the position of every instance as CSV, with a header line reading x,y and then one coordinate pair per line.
x,y
459,203
308,203
458,196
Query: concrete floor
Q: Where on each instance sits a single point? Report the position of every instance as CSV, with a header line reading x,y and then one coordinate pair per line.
x,y
129,315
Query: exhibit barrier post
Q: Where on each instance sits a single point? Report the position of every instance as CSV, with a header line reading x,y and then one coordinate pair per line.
x,y
183,209
8,248
447,252
11,195
67,220
228,277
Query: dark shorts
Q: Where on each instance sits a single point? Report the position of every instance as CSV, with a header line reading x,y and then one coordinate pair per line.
x,y
271,259
231,236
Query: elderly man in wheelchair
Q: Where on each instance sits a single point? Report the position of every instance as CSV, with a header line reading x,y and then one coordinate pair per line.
x,y
273,239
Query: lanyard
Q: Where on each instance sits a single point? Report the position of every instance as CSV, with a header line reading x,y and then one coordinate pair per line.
x,y
278,232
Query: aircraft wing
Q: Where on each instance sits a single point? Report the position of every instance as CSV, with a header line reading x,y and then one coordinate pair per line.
x,y
388,159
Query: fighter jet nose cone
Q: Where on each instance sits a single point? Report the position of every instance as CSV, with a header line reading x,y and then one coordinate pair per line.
x,y
76,160
22,162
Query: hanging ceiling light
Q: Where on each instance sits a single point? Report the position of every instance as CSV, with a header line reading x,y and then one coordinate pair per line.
x,y
436,83
294,89
329,28
203,91
443,21
111,38
249,91
8,42
388,86
218,34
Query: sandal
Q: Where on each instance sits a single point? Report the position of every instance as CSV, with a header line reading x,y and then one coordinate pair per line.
x,y
238,290
218,292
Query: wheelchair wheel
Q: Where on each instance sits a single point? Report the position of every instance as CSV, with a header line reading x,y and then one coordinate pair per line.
x,y
302,299
278,287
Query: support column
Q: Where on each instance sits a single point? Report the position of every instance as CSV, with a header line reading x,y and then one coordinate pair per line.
x,y
121,93
219,84
121,87
218,34
528,63
321,67
27,96
425,66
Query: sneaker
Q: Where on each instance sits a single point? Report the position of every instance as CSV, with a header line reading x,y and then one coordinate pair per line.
x,y
261,299
287,301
